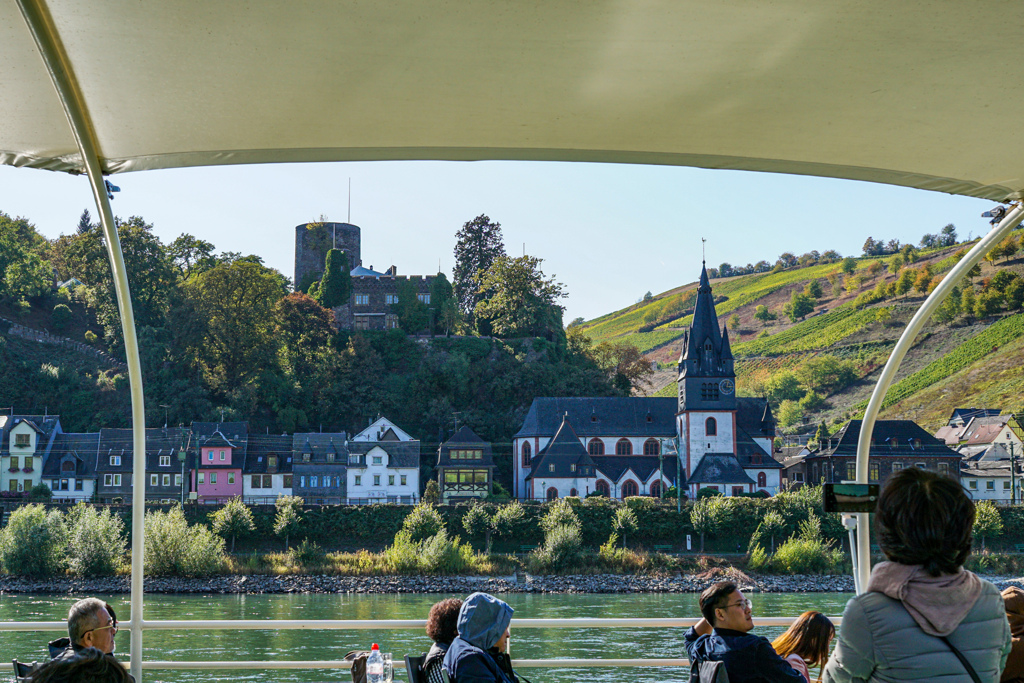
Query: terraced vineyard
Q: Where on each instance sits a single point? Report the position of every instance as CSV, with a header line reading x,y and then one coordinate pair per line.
x,y
818,332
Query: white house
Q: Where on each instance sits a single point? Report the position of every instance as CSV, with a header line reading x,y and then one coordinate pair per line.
x,y
382,429
267,473
383,471
25,441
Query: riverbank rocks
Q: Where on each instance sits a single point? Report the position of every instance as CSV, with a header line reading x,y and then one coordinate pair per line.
x,y
590,583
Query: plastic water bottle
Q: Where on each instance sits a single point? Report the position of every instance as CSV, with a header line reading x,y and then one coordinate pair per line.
x,y
375,666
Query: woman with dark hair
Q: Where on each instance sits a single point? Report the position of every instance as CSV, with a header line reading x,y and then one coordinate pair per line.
x,y
922,617
442,627
806,642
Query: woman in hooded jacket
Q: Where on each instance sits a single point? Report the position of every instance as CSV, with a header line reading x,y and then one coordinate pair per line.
x,y
922,607
1013,599
479,653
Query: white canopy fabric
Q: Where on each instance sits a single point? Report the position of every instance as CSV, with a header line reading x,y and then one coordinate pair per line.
x,y
922,94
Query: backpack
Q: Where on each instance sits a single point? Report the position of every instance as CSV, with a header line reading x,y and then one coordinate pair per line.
x,y
358,659
709,672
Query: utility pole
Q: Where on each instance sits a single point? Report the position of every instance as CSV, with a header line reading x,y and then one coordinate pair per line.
x,y
1013,477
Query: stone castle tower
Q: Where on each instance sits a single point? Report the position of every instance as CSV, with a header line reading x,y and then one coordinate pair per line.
x,y
312,244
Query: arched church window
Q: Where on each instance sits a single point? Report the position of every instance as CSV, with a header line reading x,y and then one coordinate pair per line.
x,y
552,494
629,488
711,427
656,489
602,488
624,447
595,447
652,447
526,453
762,480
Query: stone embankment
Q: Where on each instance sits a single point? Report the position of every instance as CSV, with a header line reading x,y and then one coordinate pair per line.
x,y
600,583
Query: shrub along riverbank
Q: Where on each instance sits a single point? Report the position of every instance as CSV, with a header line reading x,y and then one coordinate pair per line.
x,y
785,534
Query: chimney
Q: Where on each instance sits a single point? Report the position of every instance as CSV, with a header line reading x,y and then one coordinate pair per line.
x,y
392,271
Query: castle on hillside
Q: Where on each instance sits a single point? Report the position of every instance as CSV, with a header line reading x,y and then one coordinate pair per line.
x,y
373,292
621,447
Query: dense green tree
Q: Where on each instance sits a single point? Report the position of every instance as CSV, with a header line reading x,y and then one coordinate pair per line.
x,y
335,285
624,523
520,301
629,370
784,386
826,373
1015,295
799,306
790,413
23,272
287,517
477,522
848,265
948,236
905,282
444,307
305,330
413,314
987,522
813,289
763,314
84,222
988,304
477,245
949,309
967,300
233,520
191,255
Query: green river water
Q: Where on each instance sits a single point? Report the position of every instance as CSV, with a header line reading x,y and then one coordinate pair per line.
x,y
271,644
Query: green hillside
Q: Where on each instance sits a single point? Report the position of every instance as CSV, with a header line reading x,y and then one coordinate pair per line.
x,y
822,366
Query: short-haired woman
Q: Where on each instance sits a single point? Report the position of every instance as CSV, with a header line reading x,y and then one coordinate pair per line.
x,y
442,627
806,642
922,611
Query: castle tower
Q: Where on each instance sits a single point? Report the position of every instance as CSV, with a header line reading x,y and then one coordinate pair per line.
x,y
706,420
312,242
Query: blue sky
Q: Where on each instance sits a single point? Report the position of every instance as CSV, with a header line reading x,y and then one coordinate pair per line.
x,y
609,232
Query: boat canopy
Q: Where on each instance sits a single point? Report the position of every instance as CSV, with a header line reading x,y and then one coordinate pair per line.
x,y
920,94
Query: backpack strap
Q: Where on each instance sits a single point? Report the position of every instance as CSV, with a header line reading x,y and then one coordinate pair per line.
x,y
963,660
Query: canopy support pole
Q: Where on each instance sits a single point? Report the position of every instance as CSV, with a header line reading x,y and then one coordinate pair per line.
x,y
906,340
47,39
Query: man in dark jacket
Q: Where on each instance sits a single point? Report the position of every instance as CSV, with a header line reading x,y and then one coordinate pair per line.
x,y
723,635
91,624
478,654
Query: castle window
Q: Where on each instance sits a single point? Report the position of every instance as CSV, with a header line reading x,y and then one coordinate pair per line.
x,y
362,299
595,447
390,321
390,299
526,454
652,447
424,298
624,447
711,427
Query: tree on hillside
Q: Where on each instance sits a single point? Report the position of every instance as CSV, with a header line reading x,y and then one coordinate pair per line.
x,y
763,314
967,300
784,386
629,370
813,289
84,222
477,245
949,309
413,314
191,255
789,413
826,373
929,240
305,329
872,247
848,265
947,237
905,282
923,279
786,260
335,285
520,301
444,307
734,321
799,306
831,256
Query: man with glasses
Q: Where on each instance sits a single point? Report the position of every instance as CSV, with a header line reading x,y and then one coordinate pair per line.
x,y
723,635
91,623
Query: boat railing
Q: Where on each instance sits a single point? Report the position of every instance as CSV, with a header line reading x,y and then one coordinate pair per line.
x,y
391,624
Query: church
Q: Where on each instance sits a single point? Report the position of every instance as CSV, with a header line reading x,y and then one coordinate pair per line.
x,y
706,438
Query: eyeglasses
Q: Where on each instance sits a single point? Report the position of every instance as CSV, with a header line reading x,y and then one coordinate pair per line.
x,y
112,626
745,604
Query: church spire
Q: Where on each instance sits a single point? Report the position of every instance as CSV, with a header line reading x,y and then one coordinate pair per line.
x,y
706,375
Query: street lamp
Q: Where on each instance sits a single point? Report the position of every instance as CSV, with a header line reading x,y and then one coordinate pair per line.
x,y
165,414
186,441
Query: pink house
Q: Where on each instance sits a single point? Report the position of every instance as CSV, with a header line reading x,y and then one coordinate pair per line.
x,y
219,474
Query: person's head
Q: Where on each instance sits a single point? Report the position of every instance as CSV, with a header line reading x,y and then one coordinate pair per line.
x,y
724,606
442,622
809,636
92,623
926,519
483,621
87,666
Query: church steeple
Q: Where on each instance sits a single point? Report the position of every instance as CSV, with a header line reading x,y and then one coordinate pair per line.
x,y
706,375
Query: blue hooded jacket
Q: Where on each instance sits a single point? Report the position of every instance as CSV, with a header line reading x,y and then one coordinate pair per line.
x,y
482,621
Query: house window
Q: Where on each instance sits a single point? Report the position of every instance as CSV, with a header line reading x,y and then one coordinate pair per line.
x,y
177,480
330,457
1006,486
152,479
359,480
115,461
711,427
166,479
390,299
202,478
652,447
378,460
222,455
990,485
798,476
287,481
15,462
656,489
79,484
572,467
14,484
526,454
231,477
897,466
63,484
165,461
762,480
306,457
873,471
376,480
552,493
209,456
117,480
462,454
362,299
257,481
424,298
595,447
213,477
403,479
67,466
268,481
391,480
23,440
921,465
314,481
973,484
272,461
851,471
944,468
624,447
630,488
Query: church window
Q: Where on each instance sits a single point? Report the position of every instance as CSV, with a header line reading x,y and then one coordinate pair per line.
x,y
656,489
762,480
602,487
629,488
711,427
624,447
595,447
652,447
551,467
573,492
552,494
526,454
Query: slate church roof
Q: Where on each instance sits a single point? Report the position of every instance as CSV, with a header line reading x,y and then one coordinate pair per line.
x,y
624,416
556,460
719,468
643,466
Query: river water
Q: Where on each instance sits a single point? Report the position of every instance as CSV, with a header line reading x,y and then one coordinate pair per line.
x,y
198,645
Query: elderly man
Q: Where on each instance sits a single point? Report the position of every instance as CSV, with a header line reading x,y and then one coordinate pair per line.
x,y
723,635
91,623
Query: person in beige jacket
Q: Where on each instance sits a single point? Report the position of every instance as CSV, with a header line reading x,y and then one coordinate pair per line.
x,y
922,604
1013,599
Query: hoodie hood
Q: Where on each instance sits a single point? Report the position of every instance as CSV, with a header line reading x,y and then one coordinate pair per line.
x,y
937,603
483,619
